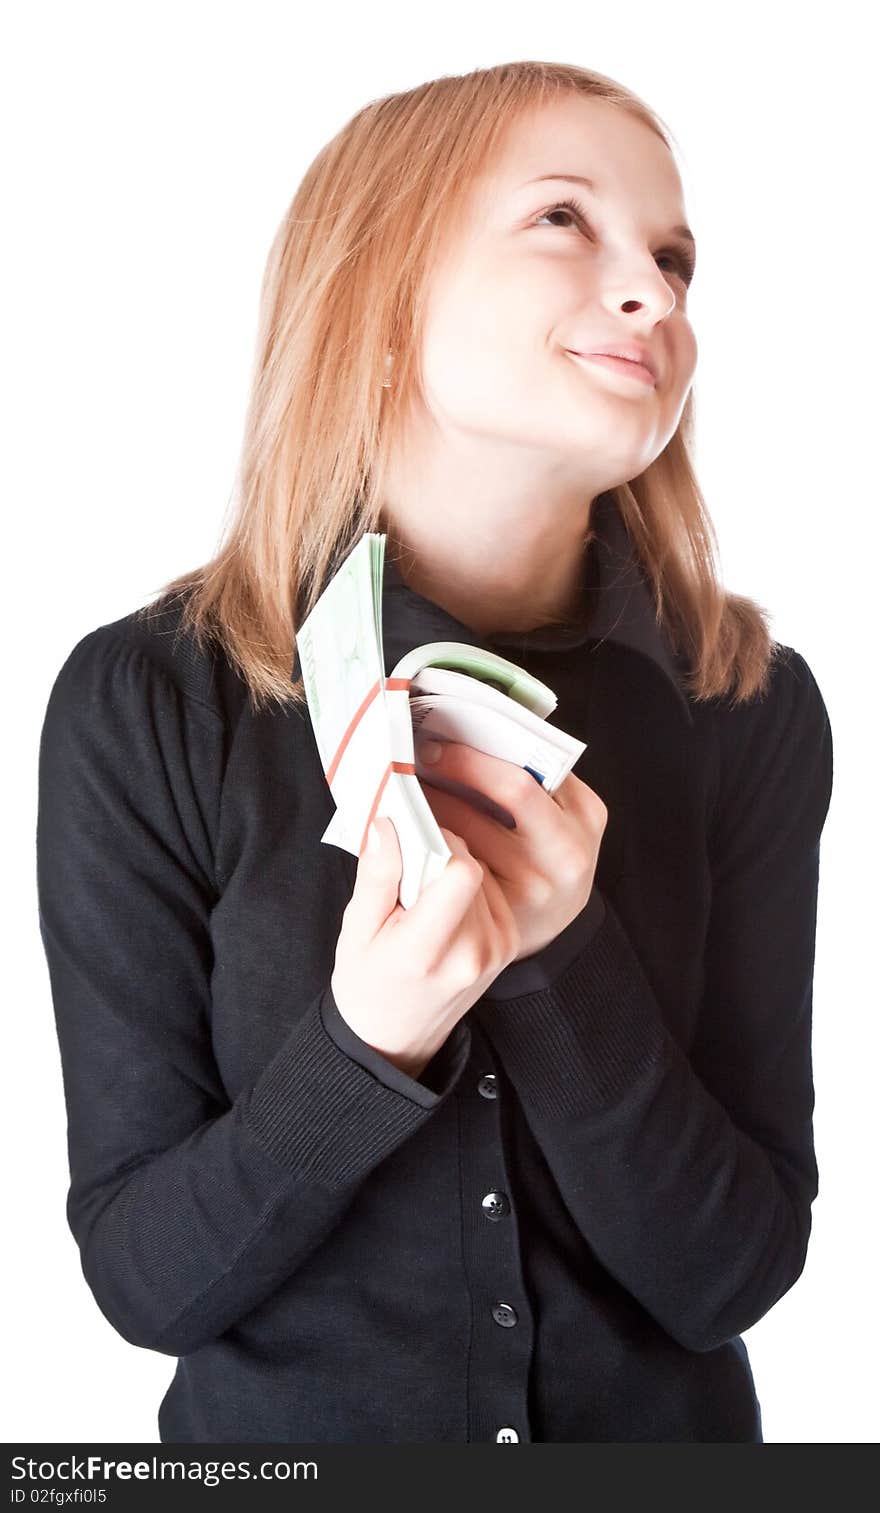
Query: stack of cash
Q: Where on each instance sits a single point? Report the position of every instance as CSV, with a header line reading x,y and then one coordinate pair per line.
x,y
365,722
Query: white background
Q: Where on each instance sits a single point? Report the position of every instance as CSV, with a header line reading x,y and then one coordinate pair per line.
x,y
149,154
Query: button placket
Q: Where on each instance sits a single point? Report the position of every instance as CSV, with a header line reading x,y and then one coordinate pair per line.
x,y
498,1399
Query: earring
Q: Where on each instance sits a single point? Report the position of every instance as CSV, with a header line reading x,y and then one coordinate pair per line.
x,y
386,382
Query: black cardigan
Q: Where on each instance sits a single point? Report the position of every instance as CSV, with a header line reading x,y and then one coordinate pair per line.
x,y
603,1177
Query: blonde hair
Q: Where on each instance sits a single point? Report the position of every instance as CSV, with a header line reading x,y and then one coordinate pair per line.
x,y
345,281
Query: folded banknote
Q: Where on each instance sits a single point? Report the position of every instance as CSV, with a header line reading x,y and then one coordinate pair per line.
x,y
365,721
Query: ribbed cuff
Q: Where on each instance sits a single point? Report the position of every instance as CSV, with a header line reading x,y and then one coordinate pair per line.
x,y
325,1117
576,1045
545,967
435,1081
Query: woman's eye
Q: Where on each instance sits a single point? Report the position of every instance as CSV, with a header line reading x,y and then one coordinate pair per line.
x,y
570,207
682,263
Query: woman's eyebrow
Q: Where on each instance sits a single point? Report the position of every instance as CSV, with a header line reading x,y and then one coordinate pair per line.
x,y
578,178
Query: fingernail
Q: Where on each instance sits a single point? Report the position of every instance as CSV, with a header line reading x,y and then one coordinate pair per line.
x,y
430,751
374,840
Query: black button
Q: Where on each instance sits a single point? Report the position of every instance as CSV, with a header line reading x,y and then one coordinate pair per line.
x,y
496,1205
487,1086
504,1315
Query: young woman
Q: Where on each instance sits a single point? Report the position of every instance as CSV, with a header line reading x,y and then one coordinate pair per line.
x,y
521,1162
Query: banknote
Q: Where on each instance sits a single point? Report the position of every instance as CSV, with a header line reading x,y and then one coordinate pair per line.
x,y
365,721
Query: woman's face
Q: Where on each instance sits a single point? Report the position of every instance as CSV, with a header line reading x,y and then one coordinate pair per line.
x,y
528,284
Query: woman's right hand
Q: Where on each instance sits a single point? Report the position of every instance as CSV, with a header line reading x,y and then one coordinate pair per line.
x,y
403,978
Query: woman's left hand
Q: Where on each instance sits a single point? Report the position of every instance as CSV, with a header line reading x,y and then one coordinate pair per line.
x,y
546,865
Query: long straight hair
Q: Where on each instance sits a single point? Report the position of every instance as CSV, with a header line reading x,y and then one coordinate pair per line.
x,y
347,279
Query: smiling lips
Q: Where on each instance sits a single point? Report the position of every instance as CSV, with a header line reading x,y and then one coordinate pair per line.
x,y
627,366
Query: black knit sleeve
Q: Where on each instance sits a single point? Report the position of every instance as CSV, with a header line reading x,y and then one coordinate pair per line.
x,y
691,1176
188,1210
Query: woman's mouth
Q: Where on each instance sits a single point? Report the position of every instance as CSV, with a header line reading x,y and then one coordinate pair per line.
x,y
635,371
